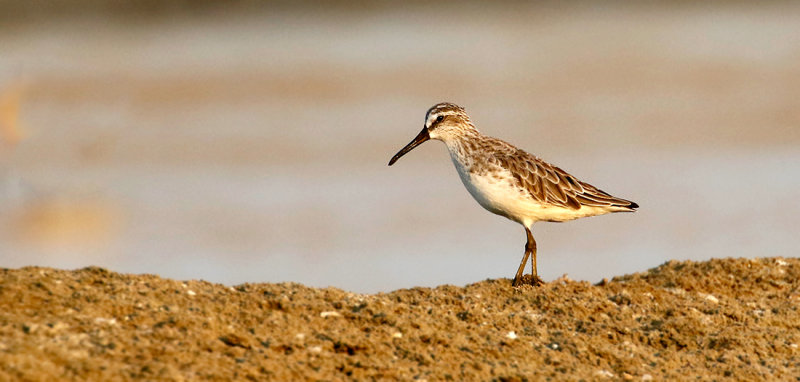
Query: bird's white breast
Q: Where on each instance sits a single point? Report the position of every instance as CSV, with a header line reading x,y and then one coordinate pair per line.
x,y
495,191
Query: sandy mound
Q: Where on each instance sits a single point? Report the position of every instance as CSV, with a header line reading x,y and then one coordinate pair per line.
x,y
732,318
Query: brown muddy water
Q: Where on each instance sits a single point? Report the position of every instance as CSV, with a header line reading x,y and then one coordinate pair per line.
x,y
253,146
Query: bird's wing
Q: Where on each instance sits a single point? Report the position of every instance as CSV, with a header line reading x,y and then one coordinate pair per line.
x,y
551,185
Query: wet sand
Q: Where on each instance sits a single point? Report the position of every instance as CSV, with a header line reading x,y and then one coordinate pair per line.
x,y
718,319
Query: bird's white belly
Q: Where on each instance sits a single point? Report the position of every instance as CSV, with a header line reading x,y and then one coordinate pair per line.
x,y
498,193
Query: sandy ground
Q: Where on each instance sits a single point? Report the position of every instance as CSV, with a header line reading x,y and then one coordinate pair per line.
x,y
720,319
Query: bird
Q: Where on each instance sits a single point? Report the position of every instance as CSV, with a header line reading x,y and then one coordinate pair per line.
x,y
510,182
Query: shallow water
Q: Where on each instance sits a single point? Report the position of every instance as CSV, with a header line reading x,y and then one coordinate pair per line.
x,y
254,148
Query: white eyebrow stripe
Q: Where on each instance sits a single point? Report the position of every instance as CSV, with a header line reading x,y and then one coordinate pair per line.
x,y
435,115
444,112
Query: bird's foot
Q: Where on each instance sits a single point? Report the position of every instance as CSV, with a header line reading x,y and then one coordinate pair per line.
x,y
527,280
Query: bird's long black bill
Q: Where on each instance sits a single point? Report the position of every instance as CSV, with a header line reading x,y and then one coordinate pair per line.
x,y
421,137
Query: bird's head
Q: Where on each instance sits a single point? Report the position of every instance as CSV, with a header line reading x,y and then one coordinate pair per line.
x,y
443,121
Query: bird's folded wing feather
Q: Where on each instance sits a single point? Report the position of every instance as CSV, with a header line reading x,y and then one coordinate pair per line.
x,y
551,185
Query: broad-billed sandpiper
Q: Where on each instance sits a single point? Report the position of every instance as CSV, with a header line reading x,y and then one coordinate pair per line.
x,y
511,182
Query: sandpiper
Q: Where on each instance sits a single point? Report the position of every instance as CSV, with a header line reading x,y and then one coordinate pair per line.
x,y
510,182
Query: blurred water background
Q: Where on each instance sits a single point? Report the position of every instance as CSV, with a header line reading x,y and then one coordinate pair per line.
x,y
248,142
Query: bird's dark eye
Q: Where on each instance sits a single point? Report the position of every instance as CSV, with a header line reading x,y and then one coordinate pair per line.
x,y
439,118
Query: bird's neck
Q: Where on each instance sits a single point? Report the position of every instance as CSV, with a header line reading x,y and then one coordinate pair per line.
x,y
460,146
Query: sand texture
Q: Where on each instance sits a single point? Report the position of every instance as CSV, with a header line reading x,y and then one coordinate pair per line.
x,y
720,319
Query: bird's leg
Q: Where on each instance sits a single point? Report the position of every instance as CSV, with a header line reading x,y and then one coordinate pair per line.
x,y
518,278
530,247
